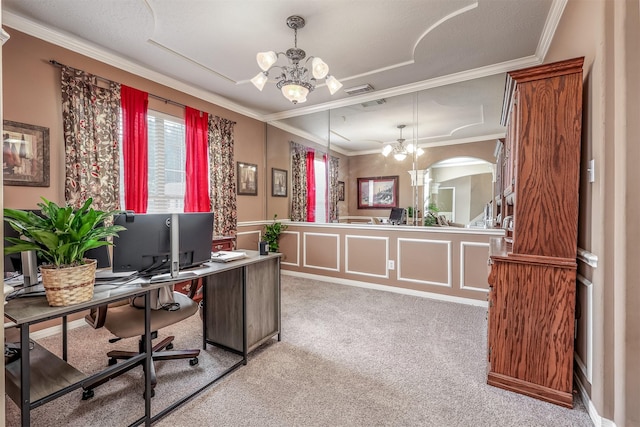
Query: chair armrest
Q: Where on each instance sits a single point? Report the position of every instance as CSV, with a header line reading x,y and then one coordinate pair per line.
x,y
97,316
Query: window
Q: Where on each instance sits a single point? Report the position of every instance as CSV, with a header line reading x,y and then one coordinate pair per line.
x,y
167,157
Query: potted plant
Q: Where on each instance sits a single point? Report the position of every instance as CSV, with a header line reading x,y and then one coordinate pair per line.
x,y
272,233
61,236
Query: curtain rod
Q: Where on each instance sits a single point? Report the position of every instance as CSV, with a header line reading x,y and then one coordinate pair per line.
x,y
165,100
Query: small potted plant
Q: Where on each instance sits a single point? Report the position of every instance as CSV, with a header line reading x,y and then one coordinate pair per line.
x,y
61,236
272,234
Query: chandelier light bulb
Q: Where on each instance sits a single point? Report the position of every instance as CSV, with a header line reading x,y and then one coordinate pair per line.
x,y
387,150
259,81
333,84
295,93
320,68
266,59
400,156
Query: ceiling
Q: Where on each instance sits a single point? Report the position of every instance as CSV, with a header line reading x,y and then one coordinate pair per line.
x,y
435,65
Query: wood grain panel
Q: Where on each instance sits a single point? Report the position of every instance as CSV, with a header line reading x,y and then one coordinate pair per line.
x,y
262,302
224,308
531,324
548,160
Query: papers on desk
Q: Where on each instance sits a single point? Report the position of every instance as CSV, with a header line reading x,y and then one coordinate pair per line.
x,y
226,256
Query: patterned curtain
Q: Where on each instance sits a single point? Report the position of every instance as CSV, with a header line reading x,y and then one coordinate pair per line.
x,y
222,178
90,120
334,162
298,182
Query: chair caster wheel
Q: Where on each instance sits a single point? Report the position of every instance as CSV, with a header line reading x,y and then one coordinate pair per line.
x,y
87,394
169,346
153,393
193,362
112,362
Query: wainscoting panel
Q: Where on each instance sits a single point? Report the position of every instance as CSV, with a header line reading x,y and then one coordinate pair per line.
x,y
321,251
290,248
248,239
584,327
473,266
366,255
425,261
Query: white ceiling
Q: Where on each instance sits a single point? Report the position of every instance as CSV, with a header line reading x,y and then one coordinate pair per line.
x,y
452,53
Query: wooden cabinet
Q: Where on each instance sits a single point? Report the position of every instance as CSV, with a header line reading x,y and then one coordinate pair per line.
x,y
532,279
222,243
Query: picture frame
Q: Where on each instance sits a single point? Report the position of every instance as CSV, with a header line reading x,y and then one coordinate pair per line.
x,y
25,154
378,192
279,182
247,179
341,191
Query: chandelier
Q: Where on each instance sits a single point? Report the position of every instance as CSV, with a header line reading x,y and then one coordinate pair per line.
x,y
399,150
295,81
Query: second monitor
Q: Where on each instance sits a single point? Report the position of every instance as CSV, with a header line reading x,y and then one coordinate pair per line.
x,y
145,245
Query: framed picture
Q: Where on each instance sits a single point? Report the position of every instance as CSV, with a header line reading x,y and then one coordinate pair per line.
x,y
247,177
378,193
341,191
25,154
278,182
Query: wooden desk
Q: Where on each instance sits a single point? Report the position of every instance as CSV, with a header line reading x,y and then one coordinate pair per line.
x,y
50,377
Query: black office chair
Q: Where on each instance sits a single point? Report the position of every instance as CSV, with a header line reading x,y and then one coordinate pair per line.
x,y
126,321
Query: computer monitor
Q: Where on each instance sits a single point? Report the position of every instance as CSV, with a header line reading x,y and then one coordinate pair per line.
x,y
397,216
145,245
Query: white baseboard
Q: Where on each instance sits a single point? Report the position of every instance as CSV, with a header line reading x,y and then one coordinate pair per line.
x,y
598,421
404,291
43,333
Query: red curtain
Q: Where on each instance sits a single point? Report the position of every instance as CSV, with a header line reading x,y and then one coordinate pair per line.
x,y
311,187
134,148
196,197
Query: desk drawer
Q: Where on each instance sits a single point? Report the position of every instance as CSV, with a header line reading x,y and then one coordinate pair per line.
x,y
222,243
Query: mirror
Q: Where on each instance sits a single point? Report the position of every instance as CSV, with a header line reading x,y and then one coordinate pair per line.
x,y
456,120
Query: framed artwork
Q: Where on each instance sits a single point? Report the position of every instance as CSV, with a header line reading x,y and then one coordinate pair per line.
x,y
378,193
278,182
25,154
341,191
247,178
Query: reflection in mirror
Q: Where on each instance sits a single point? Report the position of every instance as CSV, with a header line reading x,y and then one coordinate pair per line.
x,y
461,190
307,133
456,120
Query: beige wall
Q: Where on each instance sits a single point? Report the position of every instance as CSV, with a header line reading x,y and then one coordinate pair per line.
x,y
607,34
32,95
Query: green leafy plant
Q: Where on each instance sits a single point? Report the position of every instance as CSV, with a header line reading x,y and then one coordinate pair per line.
x,y
431,217
61,235
272,233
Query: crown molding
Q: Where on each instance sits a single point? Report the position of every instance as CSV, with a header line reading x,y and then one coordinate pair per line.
x,y
550,27
95,52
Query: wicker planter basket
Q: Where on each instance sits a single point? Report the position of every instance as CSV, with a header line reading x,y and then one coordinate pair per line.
x,y
68,286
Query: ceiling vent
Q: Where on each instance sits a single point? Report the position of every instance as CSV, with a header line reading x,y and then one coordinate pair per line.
x,y
374,102
357,90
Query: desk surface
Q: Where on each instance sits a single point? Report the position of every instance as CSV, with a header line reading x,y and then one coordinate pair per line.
x,y
36,309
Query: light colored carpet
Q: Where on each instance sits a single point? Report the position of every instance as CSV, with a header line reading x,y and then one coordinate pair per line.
x,y
348,357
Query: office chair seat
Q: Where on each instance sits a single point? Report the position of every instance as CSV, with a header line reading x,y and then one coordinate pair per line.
x,y
126,321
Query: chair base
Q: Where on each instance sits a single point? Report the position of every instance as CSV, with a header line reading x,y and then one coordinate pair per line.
x,y
160,351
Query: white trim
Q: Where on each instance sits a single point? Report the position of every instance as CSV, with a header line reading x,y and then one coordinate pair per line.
x,y
53,330
598,421
346,256
587,257
396,290
550,26
462,271
337,251
449,283
587,366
